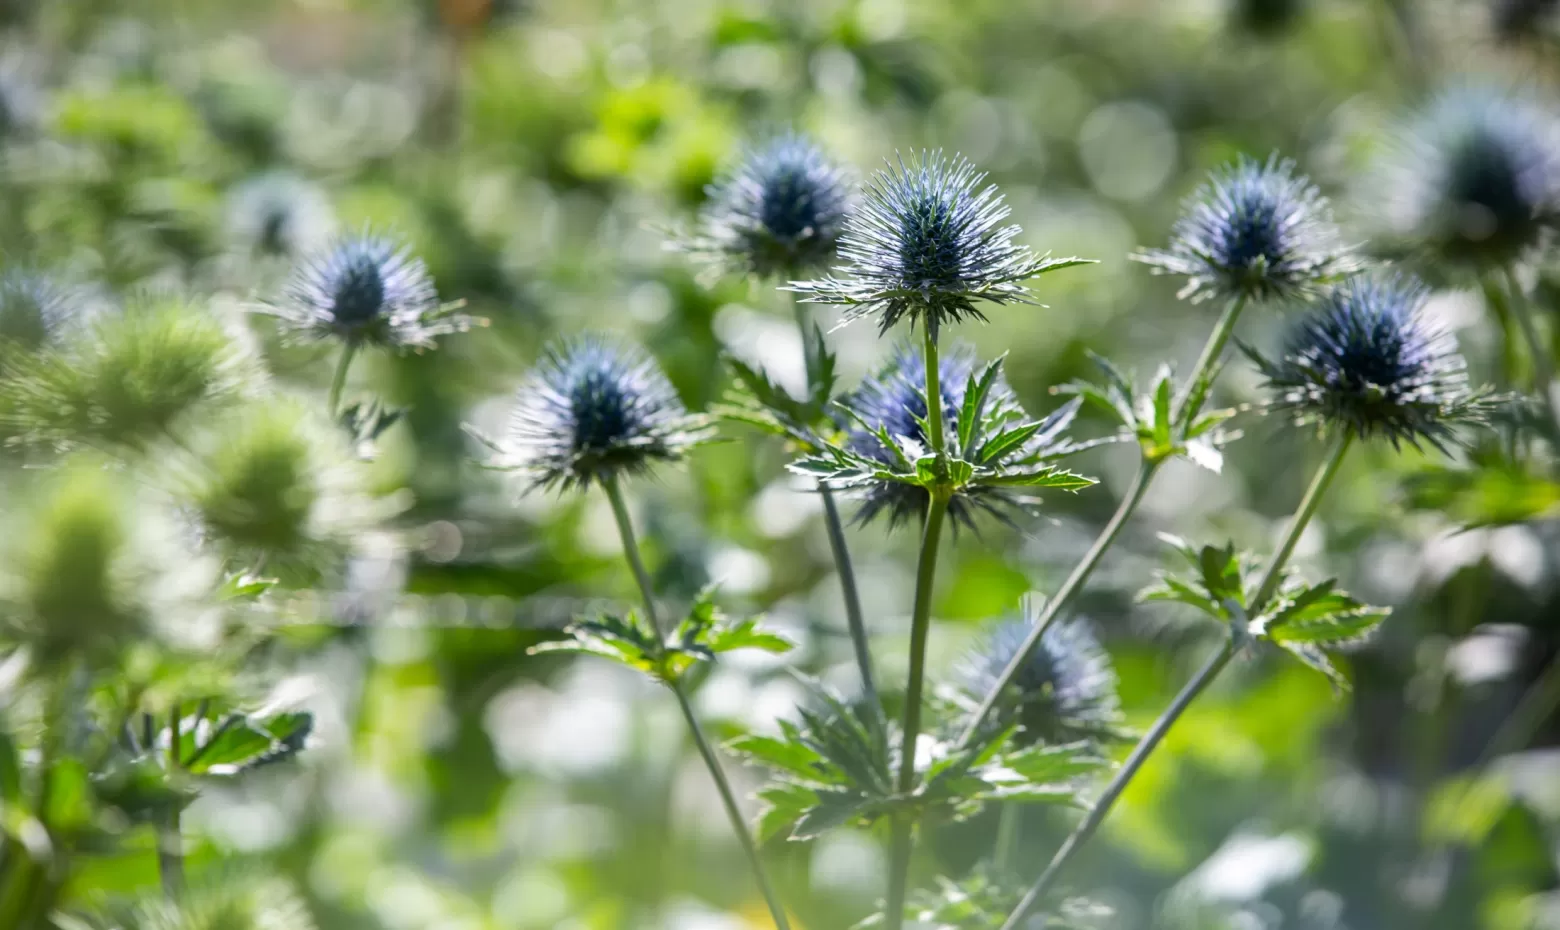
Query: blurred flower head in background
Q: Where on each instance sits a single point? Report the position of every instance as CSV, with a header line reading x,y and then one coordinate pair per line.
x,y
1470,182
778,214
1254,230
280,214
1366,360
592,411
1065,689
925,245
367,290
36,310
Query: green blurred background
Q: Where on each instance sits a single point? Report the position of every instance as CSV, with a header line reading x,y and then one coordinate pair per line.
x,y
536,152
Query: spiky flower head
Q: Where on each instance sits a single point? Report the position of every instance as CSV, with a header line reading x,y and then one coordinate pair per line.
x,y
1472,182
271,484
591,411
72,583
1368,361
279,214
1254,230
1518,20
127,379
367,290
1065,690
226,898
778,213
926,244
35,310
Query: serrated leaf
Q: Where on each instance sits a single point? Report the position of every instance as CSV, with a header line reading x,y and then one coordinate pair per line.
x,y
998,446
787,755
1205,455
833,809
1332,630
1044,477
784,805
975,394
1318,660
1043,764
252,743
746,634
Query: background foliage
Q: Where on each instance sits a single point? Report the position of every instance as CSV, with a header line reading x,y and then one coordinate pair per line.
x,y
532,152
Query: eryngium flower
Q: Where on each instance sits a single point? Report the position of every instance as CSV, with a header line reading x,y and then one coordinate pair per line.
x,y
925,244
367,290
35,310
592,411
894,398
71,589
279,214
778,213
1255,230
1065,690
271,484
1368,361
1472,182
127,379
1517,20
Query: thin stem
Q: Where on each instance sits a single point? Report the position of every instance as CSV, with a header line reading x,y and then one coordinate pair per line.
x,y
1009,820
1543,365
1297,523
625,526
711,761
831,517
339,381
170,834
920,625
1188,405
1064,595
733,812
1186,409
30,877
1199,683
847,572
1535,706
934,404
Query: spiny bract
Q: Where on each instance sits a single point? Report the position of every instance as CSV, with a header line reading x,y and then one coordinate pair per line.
x,y
1065,690
1472,182
1366,360
894,398
1254,230
591,411
779,213
367,290
926,244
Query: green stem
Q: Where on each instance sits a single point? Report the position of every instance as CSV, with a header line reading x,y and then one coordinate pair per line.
x,y
30,878
170,833
1199,683
339,381
1186,409
1190,403
1543,365
1005,851
920,626
711,761
852,597
831,517
934,405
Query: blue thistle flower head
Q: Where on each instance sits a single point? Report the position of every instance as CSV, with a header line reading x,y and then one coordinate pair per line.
x,y
779,212
592,411
279,214
1473,182
1065,690
1367,360
927,244
1255,230
367,290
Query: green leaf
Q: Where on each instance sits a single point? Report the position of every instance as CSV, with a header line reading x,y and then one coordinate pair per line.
x,y
1043,477
746,634
784,806
833,809
1006,441
1043,764
251,742
1318,660
975,394
787,755
1332,630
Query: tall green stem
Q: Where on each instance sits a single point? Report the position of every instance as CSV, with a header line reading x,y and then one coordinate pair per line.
x,y
934,404
26,879
854,619
1204,677
1187,406
1543,365
1005,848
711,761
920,626
170,834
339,381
